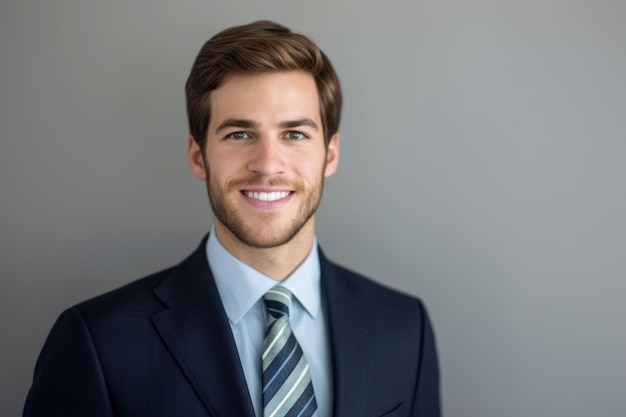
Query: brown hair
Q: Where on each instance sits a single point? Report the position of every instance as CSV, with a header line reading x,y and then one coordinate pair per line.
x,y
258,47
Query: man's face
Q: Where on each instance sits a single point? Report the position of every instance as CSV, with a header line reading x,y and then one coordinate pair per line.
x,y
265,160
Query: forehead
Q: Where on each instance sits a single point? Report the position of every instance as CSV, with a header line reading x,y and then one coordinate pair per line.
x,y
267,96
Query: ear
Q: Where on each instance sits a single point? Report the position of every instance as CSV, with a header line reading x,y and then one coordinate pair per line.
x,y
195,159
332,156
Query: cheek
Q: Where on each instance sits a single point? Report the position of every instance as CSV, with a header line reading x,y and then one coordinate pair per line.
x,y
312,169
221,164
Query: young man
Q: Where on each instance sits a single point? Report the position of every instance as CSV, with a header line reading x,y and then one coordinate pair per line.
x,y
256,322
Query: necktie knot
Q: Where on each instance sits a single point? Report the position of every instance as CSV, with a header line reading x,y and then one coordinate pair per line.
x,y
278,301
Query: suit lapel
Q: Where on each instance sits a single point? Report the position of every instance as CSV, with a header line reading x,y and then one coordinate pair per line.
x,y
196,330
350,326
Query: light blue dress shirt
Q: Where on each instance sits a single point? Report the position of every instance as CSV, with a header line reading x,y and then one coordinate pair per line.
x,y
241,289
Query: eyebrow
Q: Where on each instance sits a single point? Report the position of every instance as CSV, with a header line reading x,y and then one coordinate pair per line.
x,y
249,124
236,123
305,121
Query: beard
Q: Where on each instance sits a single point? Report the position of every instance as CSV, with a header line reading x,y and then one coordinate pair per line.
x,y
226,210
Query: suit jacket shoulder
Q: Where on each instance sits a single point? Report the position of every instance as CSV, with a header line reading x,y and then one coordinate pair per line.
x,y
159,346
384,355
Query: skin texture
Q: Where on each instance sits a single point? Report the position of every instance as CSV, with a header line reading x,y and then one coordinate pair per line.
x,y
265,135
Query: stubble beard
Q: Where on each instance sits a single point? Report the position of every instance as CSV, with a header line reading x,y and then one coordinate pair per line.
x,y
224,209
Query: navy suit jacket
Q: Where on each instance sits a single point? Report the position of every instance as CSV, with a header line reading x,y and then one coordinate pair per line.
x,y
162,346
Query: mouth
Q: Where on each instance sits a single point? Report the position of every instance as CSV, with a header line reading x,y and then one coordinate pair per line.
x,y
267,196
267,199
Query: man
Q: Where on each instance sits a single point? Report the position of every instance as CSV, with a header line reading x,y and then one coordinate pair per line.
x,y
256,322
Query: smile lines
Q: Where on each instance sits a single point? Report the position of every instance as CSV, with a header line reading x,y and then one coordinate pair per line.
x,y
263,196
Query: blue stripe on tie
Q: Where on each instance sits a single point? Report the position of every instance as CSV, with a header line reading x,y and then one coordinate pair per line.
x,y
270,389
281,357
306,405
280,362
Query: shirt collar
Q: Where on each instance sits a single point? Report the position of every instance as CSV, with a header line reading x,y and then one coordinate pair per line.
x,y
241,286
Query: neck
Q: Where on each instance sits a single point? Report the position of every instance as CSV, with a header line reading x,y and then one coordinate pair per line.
x,y
276,262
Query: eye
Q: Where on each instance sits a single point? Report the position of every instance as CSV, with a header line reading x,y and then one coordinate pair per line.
x,y
238,135
295,135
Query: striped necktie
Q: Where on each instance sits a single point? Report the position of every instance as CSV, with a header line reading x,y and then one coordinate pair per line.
x,y
287,386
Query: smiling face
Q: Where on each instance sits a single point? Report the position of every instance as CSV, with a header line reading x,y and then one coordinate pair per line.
x,y
265,159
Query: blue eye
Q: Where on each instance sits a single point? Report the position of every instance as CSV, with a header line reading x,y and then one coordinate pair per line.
x,y
237,135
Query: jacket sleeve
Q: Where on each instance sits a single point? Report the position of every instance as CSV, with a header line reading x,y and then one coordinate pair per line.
x,y
68,378
426,402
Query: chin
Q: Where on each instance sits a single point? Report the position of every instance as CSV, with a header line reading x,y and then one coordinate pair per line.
x,y
264,239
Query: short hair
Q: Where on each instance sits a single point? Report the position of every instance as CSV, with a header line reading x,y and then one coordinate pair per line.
x,y
259,47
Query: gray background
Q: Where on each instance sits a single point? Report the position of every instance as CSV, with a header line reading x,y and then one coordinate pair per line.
x,y
482,169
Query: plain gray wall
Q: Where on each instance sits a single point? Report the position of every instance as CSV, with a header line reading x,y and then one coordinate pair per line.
x,y
482,169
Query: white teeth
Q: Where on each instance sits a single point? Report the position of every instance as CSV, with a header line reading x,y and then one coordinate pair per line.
x,y
273,196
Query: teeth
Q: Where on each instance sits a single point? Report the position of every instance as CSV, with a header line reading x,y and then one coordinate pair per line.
x,y
273,196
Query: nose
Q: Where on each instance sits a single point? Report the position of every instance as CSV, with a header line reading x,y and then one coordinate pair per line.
x,y
267,157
